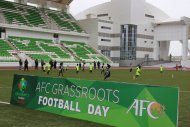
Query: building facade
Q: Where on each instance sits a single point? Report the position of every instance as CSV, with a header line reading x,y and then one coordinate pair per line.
x,y
131,31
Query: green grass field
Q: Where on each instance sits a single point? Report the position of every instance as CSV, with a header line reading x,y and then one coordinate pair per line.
x,y
13,116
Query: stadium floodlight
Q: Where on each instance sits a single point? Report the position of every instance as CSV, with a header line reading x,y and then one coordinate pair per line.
x,y
52,8
10,0
31,4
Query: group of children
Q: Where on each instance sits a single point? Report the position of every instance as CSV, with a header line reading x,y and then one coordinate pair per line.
x,y
138,70
104,70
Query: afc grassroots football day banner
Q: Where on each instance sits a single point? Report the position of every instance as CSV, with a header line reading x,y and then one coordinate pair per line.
x,y
110,103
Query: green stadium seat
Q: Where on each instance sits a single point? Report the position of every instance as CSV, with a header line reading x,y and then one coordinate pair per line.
x,y
7,5
31,16
63,20
22,14
44,46
4,52
84,52
25,44
61,53
45,58
4,47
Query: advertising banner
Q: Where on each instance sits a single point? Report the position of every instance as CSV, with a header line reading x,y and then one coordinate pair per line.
x,y
110,103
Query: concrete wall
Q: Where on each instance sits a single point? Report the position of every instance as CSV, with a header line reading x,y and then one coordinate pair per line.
x,y
25,33
133,12
128,62
121,14
168,32
99,9
43,35
164,50
90,26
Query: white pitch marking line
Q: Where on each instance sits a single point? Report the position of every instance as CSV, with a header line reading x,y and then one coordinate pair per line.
x,y
7,103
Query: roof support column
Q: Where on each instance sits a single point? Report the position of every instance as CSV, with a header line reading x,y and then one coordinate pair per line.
x,y
42,3
184,49
156,50
185,43
22,1
65,8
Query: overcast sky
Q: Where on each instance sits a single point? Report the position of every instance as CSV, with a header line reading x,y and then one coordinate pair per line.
x,y
174,8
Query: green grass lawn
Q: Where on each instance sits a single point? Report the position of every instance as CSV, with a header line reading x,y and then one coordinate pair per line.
x,y
13,116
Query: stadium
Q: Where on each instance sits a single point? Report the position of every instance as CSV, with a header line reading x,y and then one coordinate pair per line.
x,y
124,34
148,28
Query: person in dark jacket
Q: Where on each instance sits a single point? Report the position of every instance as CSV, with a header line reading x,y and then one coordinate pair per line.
x,y
26,65
51,64
103,69
36,64
131,67
83,66
42,65
108,72
80,65
98,64
61,69
20,64
55,64
94,65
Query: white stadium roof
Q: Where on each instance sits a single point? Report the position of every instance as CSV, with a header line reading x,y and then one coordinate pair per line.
x,y
182,20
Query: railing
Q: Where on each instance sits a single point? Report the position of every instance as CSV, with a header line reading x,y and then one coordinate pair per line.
x,y
176,58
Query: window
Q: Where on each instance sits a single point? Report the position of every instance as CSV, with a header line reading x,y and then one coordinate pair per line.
x,y
102,15
105,27
145,29
149,16
108,40
145,41
152,30
128,42
106,53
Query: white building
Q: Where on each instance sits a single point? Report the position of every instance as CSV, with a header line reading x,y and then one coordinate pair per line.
x,y
133,31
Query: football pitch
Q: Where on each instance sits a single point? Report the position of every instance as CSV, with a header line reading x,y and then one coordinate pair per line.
x,y
13,116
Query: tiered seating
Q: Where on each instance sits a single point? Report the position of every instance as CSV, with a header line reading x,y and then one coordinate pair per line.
x,y
25,44
81,52
22,14
45,58
63,20
45,49
61,53
6,5
84,52
90,49
34,17
73,43
15,18
31,16
4,47
5,56
40,49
